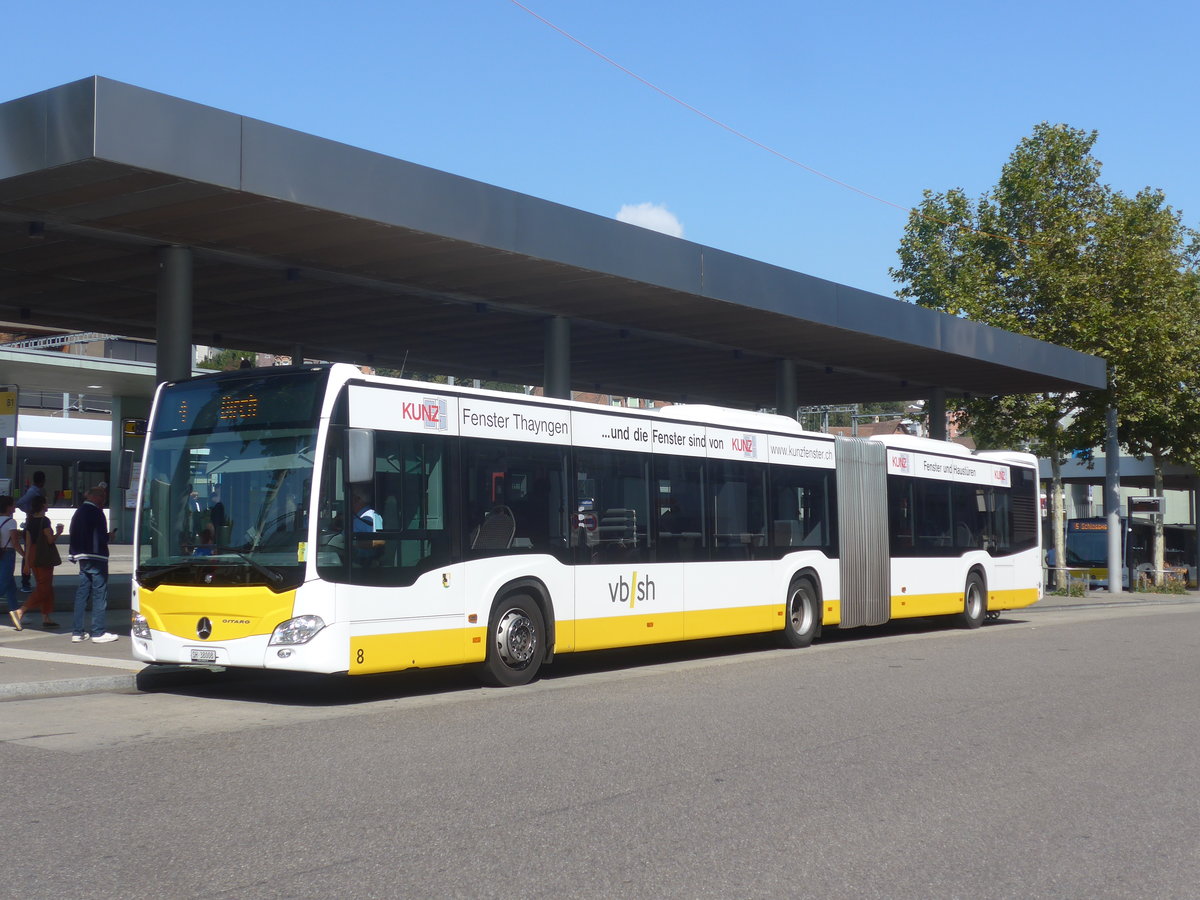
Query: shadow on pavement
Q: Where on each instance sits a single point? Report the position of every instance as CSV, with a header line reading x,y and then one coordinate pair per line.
x,y
301,689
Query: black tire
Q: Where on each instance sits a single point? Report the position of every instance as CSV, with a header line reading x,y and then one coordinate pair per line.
x,y
516,639
802,616
974,602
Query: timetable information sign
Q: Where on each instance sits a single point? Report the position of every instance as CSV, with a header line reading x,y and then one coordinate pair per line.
x,y
8,411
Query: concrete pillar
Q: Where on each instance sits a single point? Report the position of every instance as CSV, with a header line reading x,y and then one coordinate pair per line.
x,y
120,514
936,404
173,324
1112,501
785,388
557,374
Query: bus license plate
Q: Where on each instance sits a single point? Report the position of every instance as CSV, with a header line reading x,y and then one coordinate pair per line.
x,y
204,656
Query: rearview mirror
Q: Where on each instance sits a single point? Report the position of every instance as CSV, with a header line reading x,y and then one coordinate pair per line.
x,y
360,455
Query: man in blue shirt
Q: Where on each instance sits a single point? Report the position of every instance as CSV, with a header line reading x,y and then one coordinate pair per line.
x,y
364,524
89,548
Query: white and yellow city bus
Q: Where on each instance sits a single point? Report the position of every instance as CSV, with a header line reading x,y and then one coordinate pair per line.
x,y
317,519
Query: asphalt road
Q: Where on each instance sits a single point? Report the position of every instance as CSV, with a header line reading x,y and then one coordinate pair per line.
x,y
1051,755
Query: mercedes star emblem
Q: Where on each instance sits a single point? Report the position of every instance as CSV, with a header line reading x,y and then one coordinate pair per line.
x,y
204,628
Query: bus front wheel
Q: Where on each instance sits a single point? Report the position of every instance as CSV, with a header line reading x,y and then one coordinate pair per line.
x,y
802,617
516,642
974,602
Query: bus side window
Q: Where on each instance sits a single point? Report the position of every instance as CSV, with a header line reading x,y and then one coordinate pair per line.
x,y
611,507
966,502
404,529
739,509
900,514
931,516
515,498
681,528
801,504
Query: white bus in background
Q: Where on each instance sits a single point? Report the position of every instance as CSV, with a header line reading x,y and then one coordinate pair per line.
x,y
317,519
73,453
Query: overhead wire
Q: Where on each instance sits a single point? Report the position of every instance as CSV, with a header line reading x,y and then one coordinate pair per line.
x,y
747,138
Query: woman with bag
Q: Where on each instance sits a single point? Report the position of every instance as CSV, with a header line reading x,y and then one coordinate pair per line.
x,y
41,555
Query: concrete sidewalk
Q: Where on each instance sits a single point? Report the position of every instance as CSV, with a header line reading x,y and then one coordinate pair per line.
x,y
36,662
40,662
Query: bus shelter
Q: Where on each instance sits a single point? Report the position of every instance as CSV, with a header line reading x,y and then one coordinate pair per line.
x,y
127,211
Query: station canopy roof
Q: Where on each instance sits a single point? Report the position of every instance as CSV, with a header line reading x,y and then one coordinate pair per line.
x,y
350,255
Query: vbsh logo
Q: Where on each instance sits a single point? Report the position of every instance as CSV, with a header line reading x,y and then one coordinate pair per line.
x,y
431,412
631,592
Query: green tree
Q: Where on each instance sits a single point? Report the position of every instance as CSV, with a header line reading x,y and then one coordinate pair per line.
x,y
1018,259
1146,267
1052,253
224,360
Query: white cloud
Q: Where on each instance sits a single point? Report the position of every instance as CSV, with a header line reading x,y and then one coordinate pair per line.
x,y
654,216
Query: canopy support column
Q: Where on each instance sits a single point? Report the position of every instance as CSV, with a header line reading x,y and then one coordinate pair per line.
x,y
1112,502
936,403
557,374
785,388
173,325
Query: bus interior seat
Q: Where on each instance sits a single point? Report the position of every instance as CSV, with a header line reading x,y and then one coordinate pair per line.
x,y
963,535
619,525
497,530
786,533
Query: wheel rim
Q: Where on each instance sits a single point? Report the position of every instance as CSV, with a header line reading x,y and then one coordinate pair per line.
x,y
974,600
800,612
516,639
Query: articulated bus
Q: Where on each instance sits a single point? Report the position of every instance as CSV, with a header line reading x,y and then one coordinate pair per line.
x,y
317,519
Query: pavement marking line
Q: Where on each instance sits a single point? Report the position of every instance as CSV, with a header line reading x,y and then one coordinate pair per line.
x,y
46,656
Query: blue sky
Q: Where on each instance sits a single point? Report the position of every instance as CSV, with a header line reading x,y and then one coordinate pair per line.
x,y
891,98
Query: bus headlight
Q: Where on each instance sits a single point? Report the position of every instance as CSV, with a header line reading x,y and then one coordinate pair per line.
x,y
140,628
299,630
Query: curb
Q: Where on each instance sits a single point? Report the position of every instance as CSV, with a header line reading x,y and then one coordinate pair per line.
x,y
152,678
66,687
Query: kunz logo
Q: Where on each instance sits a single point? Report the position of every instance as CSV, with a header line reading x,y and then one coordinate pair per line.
x,y
631,592
746,445
431,412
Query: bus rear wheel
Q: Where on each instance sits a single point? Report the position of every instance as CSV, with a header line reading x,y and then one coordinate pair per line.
x,y
802,617
974,602
516,642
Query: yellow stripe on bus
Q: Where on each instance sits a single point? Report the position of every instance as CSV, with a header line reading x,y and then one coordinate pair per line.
x,y
907,606
416,650
658,628
233,612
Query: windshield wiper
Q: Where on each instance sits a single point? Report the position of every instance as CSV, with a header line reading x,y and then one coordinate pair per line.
x,y
270,574
151,579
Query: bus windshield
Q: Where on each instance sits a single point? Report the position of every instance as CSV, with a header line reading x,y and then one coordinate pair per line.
x,y
227,480
1087,543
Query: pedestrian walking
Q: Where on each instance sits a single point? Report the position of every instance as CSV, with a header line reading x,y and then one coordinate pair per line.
x,y
10,546
41,556
89,548
37,489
